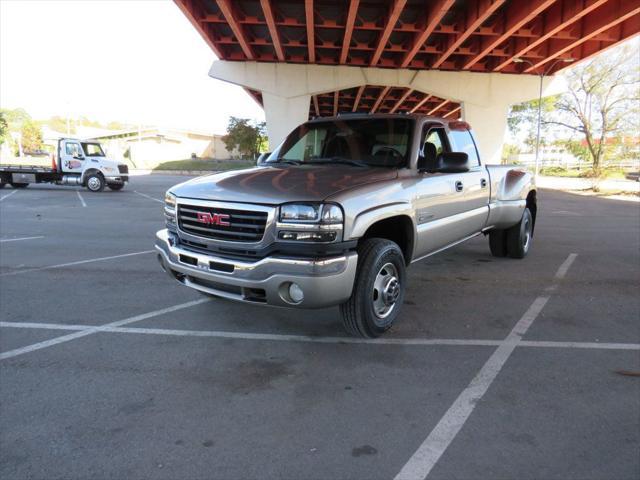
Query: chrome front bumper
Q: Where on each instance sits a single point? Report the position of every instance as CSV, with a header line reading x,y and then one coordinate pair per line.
x,y
324,282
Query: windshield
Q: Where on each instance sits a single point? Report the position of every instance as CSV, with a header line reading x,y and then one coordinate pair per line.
x,y
375,142
92,149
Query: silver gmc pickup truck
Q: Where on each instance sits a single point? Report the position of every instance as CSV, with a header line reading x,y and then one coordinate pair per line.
x,y
336,214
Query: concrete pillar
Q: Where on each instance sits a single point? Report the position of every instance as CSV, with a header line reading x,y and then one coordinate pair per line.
x,y
283,115
287,90
489,125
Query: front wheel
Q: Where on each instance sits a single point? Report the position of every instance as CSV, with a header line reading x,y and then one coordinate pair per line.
x,y
95,182
19,185
116,186
378,291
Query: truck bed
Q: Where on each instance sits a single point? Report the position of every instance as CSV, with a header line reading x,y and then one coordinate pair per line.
x,y
26,163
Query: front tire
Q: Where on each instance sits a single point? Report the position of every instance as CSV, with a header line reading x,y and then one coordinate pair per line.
x,y
519,236
19,185
116,186
378,290
95,182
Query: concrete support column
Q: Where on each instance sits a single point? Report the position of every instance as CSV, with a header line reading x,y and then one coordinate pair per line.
x,y
489,124
287,89
283,115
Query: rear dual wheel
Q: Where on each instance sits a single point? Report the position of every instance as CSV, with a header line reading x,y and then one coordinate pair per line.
x,y
514,242
378,290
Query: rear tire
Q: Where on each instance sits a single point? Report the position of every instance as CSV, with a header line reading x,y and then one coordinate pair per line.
x,y
519,236
498,243
116,186
19,185
95,182
378,290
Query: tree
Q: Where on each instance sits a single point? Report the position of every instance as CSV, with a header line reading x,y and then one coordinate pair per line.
x,y
525,116
245,135
31,136
601,102
4,128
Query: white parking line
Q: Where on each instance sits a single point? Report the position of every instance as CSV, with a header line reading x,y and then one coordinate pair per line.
x,y
147,196
19,239
311,339
92,330
7,195
434,446
80,262
81,199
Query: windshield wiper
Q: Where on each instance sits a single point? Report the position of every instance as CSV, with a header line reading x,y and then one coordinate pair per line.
x,y
285,161
340,160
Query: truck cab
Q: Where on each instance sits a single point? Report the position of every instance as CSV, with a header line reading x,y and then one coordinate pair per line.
x,y
84,162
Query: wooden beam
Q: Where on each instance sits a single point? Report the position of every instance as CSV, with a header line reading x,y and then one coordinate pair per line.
x,y
451,112
475,18
186,7
616,12
420,103
316,106
560,17
518,14
348,30
434,16
227,10
394,14
401,100
357,100
273,30
384,92
437,107
311,40
335,102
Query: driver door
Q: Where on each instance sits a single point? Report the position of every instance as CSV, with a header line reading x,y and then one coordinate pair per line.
x,y
71,156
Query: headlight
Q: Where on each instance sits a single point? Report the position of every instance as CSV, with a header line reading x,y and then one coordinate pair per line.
x,y
170,209
311,213
310,222
170,200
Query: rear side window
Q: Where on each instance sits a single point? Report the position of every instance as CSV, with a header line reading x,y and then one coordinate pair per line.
x,y
463,142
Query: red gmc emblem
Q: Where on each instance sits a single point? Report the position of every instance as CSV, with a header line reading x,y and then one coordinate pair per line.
x,y
221,219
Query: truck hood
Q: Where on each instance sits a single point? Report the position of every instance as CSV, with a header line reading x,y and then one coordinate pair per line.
x,y
275,185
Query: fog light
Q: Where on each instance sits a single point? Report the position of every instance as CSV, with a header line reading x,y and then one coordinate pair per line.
x,y
295,293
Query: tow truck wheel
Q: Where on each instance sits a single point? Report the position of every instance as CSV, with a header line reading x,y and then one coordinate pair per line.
x,y
519,236
19,185
115,186
95,182
378,291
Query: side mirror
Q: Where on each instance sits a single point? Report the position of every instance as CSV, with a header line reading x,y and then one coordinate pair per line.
x,y
452,162
262,158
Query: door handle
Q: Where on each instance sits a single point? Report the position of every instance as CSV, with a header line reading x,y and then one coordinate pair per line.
x,y
483,183
459,186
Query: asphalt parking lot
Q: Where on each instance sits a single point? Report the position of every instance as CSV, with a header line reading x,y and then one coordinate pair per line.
x,y
498,368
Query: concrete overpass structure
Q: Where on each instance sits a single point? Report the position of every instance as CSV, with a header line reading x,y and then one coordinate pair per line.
x,y
451,58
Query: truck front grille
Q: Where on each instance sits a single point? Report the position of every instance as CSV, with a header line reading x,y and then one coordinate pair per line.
x,y
244,225
123,168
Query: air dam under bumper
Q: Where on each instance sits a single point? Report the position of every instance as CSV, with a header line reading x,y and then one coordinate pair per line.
x,y
324,282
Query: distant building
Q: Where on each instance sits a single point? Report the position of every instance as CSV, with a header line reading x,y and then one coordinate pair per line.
x,y
146,147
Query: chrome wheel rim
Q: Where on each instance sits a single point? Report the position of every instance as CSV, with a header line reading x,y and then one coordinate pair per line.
x,y
526,241
386,290
93,183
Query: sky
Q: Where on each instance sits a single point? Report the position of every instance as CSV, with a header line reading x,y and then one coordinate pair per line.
x,y
136,61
